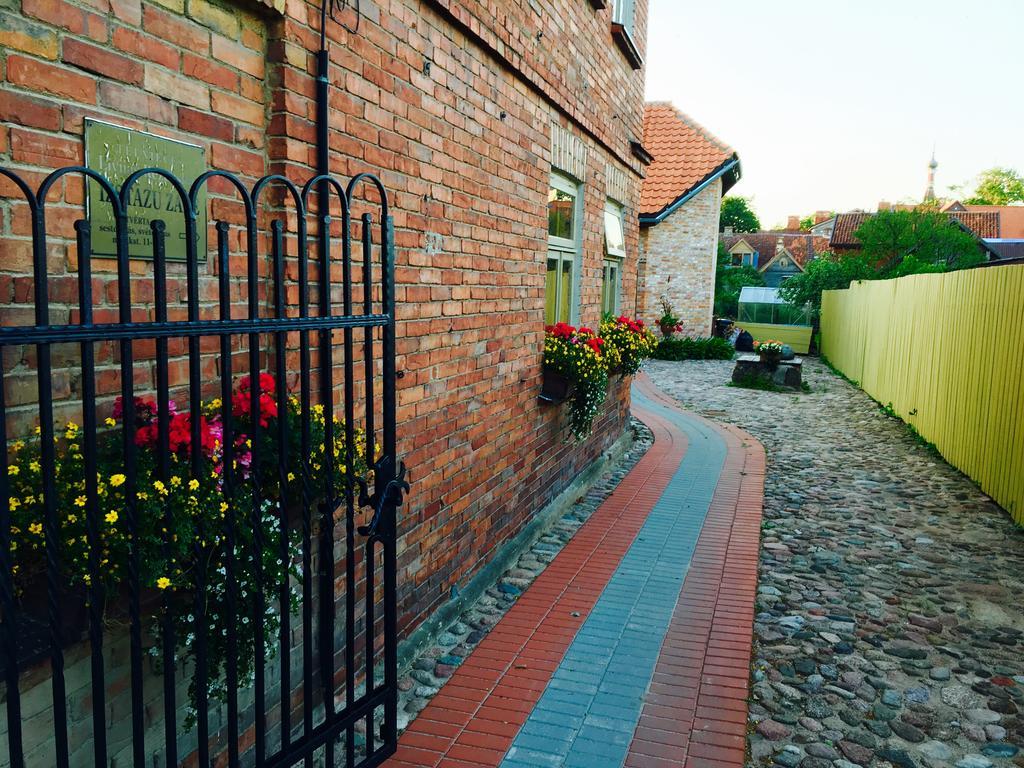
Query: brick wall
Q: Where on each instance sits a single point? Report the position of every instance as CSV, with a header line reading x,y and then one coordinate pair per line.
x,y
453,104
679,257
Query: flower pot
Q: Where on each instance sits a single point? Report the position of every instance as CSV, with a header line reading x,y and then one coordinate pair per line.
x,y
556,388
667,330
770,359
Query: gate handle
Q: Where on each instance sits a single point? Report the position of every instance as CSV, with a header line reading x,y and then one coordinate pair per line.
x,y
393,494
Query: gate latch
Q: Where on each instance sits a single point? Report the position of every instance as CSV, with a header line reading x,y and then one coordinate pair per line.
x,y
391,495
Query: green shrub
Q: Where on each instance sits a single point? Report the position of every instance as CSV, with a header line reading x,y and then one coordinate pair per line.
x,y
678,348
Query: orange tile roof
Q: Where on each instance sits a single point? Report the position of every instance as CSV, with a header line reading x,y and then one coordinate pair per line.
x,y
981,223
685,155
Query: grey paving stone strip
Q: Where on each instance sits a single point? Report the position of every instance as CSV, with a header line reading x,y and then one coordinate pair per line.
x,y
587,714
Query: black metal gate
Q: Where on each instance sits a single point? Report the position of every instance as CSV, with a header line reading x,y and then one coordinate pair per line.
x,y
197,544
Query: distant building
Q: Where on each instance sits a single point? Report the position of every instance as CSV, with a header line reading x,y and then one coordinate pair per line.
x,y
776,255
1011,217
680,204
983,224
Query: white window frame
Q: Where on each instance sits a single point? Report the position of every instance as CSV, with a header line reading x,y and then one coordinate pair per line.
x,y
566,250
613,258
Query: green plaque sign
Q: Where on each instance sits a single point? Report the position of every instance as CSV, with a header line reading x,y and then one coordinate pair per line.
x,y
116,153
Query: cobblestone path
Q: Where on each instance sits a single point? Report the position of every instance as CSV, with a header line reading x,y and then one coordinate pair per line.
x,y
890,615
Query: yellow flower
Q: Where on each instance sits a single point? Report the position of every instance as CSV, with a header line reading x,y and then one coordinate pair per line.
x,y
36,528
175,481
111,517
80,501
117,480
160,487
193,484
39,430
223,507
17,445
291,476
110,422
14,504
142,496
12,470
87,578
163,582
33,465
72,518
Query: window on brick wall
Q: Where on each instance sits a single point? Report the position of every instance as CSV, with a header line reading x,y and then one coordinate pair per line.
x,y
624,31
623,13
564,216
614,254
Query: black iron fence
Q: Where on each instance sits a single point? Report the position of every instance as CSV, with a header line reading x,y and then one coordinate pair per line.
x,y
197,539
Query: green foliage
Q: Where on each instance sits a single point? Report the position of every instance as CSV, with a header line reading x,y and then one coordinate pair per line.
x,y
894,244
806,223
901,243
737,213
998,186
678,348
828,272
189,526
729,281
760,383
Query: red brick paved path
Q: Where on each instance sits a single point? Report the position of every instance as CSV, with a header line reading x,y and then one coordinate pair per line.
x,y
694,713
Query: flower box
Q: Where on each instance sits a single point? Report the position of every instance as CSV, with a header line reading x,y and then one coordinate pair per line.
x,y
556,388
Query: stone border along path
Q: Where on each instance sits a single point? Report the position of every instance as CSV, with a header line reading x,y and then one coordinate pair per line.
x,y
633,647
435,666
890,611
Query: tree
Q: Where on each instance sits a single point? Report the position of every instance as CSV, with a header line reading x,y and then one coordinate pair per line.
x,y
900,243
737,213
893,244
998,186
729,281
827,272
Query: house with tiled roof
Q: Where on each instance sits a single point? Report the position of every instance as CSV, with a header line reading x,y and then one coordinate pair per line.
x,y
776,255
982,224
680,203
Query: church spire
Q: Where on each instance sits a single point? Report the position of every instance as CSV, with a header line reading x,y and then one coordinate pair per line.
x,y
929,194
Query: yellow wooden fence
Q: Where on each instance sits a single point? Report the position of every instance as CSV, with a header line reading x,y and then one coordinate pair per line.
x,y
947,352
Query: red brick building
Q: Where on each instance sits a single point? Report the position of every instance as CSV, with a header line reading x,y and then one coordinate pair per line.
x,y
509,137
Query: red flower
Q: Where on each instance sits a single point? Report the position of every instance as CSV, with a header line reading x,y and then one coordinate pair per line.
x,y
561,330
595,344
241,404
241,400
267,383
144,409
179,435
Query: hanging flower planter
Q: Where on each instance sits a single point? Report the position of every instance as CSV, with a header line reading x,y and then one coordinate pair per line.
x,y
575,355
556,388
627,344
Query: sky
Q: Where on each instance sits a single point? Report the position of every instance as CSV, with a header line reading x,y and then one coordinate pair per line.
x,y
837,105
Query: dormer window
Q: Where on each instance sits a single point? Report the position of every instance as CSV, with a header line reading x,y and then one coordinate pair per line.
x,y
743,259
